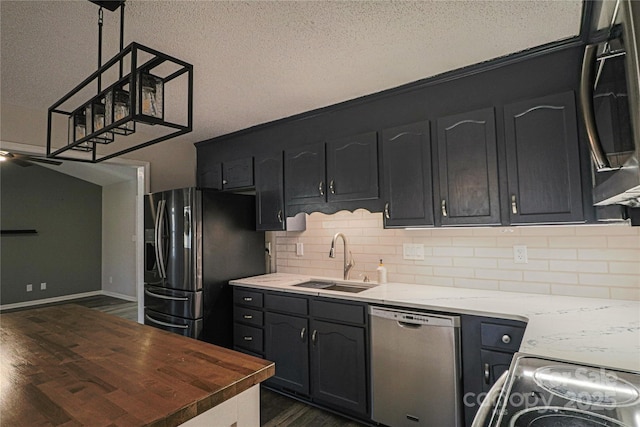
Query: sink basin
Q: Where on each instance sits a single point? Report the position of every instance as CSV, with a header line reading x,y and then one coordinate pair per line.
x,y
332,286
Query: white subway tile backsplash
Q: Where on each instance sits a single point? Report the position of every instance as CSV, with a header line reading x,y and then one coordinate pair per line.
x,y
589,261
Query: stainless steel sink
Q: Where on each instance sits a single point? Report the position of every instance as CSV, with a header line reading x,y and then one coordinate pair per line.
x,y
333,286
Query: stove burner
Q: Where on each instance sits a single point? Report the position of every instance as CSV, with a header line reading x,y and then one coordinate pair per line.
x,y
597,387
561,417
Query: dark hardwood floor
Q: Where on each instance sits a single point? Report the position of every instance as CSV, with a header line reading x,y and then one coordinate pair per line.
x,y
276,410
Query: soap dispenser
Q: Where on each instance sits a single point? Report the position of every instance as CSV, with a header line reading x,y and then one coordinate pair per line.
x,y
382,273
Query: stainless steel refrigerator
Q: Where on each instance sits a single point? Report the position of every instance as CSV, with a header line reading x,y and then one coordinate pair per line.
x,y
195,242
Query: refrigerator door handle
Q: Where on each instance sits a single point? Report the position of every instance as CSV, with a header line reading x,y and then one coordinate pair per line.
x,y
159,249
170,325
151,294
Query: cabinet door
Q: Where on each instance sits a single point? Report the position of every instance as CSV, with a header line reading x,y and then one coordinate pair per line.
x,y
352,168
406,159
543,163
210,176
237,173
286,344
304,175
269,193
338,360
494,364
468,169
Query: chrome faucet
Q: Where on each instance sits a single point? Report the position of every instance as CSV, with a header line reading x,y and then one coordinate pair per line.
x,y
348,257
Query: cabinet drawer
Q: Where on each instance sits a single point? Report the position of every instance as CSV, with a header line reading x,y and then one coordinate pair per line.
x,y
247,315
502,337
248,337
348,313
248,298
286,304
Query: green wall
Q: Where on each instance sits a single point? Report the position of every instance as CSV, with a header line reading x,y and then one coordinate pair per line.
x,y
66,252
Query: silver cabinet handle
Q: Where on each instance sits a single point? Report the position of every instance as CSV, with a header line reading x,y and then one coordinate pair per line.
x,y
247,316
514,204
224,181
302,333
151,294
313,336
170,325
321,188
506,339
487,405
247,299
158,237
386,210
487,373
332,187
248,338
280,215
443,207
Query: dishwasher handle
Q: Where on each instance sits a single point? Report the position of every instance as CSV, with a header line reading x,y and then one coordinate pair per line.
x,y
409,325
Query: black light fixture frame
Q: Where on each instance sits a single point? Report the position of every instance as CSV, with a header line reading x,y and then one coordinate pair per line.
x,y
132,53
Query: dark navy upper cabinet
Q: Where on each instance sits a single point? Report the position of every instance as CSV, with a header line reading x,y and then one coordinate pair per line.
x,y
406,164
209,175
543,162
468,169
237,174
348,172
304,175
352,168
270,214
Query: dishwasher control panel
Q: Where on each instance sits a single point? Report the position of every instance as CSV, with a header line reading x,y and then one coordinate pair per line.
x,y
414,317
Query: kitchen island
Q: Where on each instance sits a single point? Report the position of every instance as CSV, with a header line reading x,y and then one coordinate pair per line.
x,y
591,331
72,366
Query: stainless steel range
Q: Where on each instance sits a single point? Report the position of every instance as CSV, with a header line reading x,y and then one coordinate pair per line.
x,y
542,392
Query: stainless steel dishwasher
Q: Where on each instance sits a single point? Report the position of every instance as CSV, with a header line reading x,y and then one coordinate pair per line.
x,y
415,368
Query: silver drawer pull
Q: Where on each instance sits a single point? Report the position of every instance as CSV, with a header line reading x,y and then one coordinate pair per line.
x,y
506,339
280,215
443,207
313,336
151,294
386,211
302,333
514,204
169,325
332,187
247,299
247,316
248,338
321,188
487,373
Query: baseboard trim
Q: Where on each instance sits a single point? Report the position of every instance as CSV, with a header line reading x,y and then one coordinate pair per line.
x,y
65,298
121,296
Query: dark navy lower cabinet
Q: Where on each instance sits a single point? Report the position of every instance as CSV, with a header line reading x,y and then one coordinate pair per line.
x,y
287,344
338,366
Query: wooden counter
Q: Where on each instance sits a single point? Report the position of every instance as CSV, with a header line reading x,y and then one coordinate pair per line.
x,y
69,365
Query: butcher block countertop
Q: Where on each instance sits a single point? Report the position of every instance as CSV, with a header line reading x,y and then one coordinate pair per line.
x,y
69,365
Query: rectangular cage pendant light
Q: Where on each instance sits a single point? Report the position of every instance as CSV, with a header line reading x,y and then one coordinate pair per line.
x,y
130,105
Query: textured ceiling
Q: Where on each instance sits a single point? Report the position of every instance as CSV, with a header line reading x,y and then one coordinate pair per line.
x,y
263,60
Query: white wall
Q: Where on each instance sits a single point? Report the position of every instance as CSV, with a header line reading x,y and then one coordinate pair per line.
x,y
590,261
118,243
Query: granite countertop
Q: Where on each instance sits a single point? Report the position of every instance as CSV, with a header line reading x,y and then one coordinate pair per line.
x,y
600,332
71,365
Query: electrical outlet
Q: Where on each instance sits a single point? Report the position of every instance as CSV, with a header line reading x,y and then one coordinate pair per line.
x,y
43,286
299,249
413,251
29,287
520,254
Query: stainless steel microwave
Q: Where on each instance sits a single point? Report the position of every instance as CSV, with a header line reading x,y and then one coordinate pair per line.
x,y
610,102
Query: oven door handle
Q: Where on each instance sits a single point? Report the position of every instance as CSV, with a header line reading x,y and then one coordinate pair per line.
x,y
170,325
151,294
488,404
